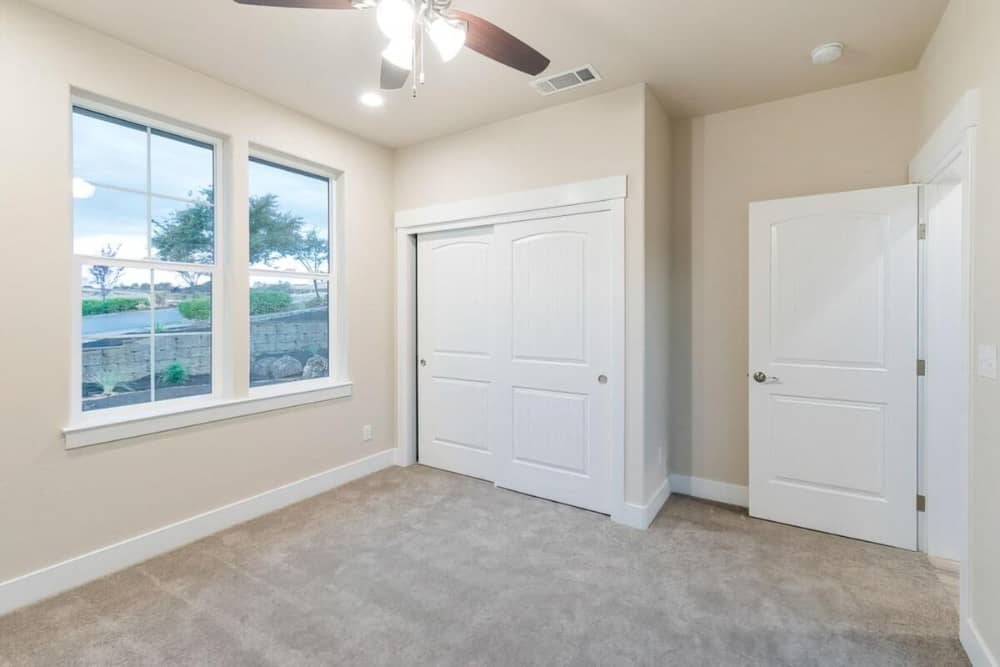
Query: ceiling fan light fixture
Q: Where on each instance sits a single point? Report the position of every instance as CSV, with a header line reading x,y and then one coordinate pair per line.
x,y
400,53
448,36
395,18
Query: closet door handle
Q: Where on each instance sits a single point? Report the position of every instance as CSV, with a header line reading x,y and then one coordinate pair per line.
x,y
603,379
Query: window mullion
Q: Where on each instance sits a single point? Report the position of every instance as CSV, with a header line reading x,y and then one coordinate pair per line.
x,y
152,271
289,275
143,264
152,335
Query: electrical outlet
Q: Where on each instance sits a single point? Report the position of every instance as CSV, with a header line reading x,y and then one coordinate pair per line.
x,y
367,433
986,361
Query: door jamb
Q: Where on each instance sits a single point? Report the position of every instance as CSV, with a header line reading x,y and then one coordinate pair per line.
x,y
601,195
955,139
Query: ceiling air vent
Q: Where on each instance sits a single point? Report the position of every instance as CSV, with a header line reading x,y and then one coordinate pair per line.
x,y
574,78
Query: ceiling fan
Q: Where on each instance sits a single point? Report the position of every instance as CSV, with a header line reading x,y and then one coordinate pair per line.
x,y
408,23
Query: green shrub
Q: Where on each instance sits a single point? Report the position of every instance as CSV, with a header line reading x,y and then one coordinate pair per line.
x,y
116,305
196,309
265,302
173,374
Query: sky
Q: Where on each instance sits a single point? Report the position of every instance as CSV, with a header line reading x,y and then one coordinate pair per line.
x,y
112,154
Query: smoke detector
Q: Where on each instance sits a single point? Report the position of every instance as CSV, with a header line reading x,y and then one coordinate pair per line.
x,y
826,54
574,78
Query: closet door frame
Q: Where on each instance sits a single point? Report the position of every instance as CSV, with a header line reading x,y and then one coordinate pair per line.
x,y
604,195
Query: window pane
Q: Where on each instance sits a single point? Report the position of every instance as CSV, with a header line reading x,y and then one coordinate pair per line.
x,y
183,232
289,330
108,151
183,333
180,168
289,219
115,336
112,224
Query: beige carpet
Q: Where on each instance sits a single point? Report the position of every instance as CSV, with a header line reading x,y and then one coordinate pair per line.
x,y
420,567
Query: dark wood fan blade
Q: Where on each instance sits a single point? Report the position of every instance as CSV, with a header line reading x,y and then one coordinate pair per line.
x,y
393,78
498,44
301,4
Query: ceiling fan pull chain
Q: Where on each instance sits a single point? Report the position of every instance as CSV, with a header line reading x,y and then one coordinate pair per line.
x,y
423,72
416,38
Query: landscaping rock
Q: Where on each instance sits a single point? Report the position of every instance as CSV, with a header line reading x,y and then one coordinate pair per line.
x,y
286,367
316,367
261,369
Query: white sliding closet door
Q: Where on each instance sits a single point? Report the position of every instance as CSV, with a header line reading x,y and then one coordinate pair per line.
x,y
455,343
553,358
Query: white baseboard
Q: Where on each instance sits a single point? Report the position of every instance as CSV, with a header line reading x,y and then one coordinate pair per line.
x,y
641,516
709,489
41,584
975,646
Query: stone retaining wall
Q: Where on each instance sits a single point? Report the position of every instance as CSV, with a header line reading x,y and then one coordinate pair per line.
x,y
127,359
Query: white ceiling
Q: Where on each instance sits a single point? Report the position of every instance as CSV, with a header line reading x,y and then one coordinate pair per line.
x,y
699,56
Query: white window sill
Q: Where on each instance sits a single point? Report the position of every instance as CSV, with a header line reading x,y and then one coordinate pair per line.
x,y
98,429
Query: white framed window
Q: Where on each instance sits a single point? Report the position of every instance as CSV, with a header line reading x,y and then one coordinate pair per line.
x,y
156,341
293,275
145,244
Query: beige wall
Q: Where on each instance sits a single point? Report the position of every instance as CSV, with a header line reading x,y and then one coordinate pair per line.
x,y
657,381
56,504
965,53
593,138
859,136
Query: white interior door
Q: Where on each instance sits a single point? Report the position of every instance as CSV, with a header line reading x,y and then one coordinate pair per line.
x,y
455,343
554,323
833,345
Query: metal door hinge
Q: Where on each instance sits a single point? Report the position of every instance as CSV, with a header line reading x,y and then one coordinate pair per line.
x,y
921,503
921,368
922,231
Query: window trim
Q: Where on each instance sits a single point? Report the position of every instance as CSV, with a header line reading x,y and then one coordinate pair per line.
x,y
186,412
336,316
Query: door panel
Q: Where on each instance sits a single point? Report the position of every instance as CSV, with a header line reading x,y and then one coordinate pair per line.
x,y
833,330
810,300
550,430
455,342
553,430
549,288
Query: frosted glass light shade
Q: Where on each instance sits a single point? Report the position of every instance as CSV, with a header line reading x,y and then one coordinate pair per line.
x,y
448,37
395,18
400,53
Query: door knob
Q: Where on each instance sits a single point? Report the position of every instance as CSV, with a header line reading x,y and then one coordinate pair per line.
x,y
761,377
603,379
423,362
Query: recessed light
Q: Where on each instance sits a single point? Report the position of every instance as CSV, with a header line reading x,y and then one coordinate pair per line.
x,y
826,54
373,100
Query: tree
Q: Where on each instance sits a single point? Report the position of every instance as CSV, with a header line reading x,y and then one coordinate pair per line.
x,y
273,234
312,253
188,235
106,277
